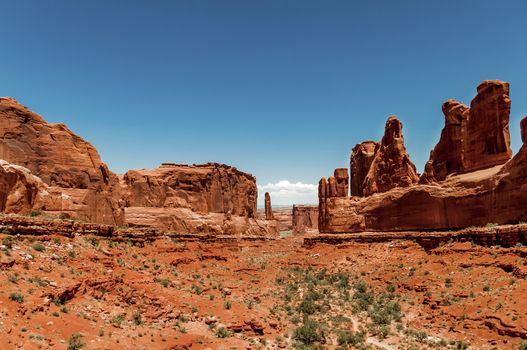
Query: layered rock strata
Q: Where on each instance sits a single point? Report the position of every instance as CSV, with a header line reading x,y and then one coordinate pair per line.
x,y
50,169
305,218
468,181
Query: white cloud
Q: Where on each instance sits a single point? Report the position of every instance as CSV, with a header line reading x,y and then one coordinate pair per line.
x,y
287,193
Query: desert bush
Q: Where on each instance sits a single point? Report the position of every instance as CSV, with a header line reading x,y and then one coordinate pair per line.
x,y
38,247
222,333
137,318
19,298
308,332
350,338
75,342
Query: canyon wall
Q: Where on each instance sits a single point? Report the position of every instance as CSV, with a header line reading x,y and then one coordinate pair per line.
x,y
470,179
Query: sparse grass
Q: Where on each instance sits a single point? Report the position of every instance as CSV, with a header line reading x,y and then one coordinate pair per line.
x,y
118,319
163,281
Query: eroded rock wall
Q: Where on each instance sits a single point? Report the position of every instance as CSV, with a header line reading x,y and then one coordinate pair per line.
x,y
468,181
361,158
391,166
65,177
305,218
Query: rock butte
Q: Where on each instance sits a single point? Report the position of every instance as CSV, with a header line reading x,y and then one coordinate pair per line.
x,y
50,169
470,179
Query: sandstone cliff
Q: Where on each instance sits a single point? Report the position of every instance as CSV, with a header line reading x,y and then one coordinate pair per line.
x,y
473,138
467,182
361,158
63,161
305,219
66,177
391,166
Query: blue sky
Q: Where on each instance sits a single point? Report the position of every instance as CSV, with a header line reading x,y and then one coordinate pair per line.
x,y
281,89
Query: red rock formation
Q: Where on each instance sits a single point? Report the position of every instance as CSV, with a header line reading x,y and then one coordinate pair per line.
x,y
284,217
487,139
50,151
62,160
268,208
523,126
305,218
446,158
360,162
73,182
322,201
207,198
391,166
473,138
494,195
18,189
204,188
341,182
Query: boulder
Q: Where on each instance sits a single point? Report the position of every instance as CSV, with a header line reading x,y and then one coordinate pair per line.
x,y
19,189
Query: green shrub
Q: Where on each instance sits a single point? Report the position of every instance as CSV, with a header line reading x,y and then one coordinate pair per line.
x,y
523,345
350,338
362,297
19,298
308,306
137,318
222,333
308,333
117,319
38,247
461,345
75,342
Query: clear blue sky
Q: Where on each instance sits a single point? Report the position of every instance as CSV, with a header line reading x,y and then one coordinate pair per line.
x,y
281,89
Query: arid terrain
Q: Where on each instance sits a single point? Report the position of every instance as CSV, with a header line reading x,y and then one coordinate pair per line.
x,y
179,257
61,292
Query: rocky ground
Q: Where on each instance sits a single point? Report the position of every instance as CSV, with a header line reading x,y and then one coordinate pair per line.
x,y
91,292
